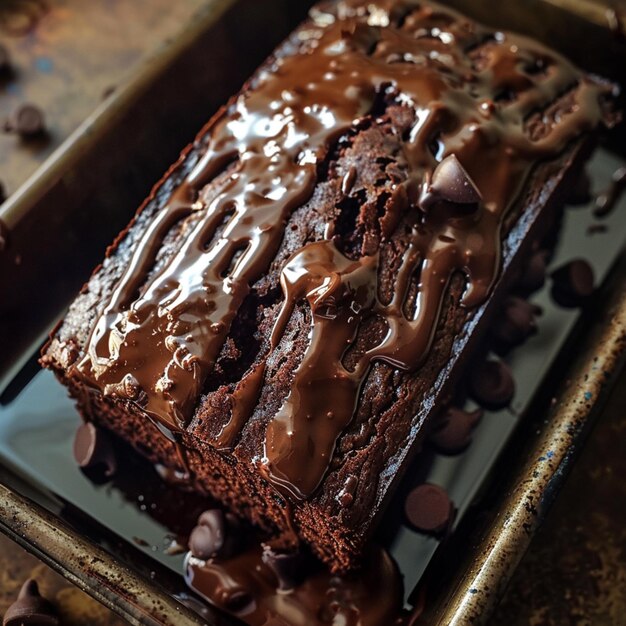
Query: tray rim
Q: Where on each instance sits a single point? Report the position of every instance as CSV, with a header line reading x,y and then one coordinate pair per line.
x,y
89,566
528,492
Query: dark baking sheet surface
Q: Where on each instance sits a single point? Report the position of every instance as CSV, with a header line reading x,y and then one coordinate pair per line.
x,y
140,517
463,475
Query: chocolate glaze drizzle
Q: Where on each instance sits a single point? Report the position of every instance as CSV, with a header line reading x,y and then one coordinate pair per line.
x,y
482,118
245,586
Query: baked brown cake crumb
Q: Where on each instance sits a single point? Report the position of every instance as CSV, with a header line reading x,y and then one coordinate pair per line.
x,y
304,285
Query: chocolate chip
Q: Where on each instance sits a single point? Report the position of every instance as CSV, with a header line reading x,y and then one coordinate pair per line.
x,y
209,538
93,449
534,274
27,121
30,609
128,388
428,509
202,542
573,283
451,183
141,542
453,430
289,567
492,384
516,323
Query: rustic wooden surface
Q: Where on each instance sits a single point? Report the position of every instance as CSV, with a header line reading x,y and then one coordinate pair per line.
x,y
66,55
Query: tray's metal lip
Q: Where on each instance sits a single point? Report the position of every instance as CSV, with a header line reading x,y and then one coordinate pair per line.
x,y
88,566
597,13
472,594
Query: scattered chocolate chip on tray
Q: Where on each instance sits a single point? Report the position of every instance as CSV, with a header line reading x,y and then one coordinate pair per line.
x,y
491,384
573,283
516,323
429,509
453,430
93,450
30,608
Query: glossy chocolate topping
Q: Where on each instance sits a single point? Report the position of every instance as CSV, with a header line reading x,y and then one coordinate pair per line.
x,y
247,587
481,108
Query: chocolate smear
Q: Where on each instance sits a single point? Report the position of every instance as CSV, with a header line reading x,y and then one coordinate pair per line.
x,y
290,568
597,228
249,586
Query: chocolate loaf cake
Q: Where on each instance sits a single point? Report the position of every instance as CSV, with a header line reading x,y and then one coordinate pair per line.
x,y
299,292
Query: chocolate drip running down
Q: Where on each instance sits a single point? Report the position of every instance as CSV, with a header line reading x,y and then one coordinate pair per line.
x,y
474,139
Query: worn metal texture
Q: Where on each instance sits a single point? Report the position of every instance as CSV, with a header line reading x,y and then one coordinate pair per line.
x,y
88,566
575,569
534,468
75,608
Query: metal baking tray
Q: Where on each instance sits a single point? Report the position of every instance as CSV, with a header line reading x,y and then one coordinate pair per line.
x,y
111,539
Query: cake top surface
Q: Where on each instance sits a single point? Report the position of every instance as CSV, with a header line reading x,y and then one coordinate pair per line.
x,y
481,118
